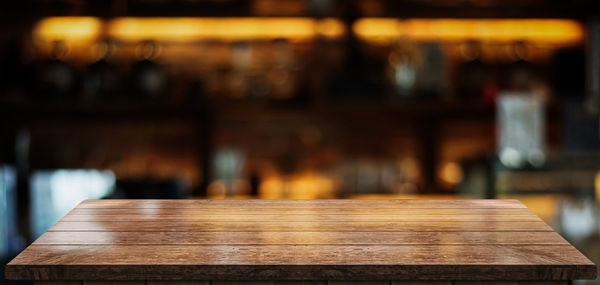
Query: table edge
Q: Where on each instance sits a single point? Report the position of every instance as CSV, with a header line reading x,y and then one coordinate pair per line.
x,y
301,272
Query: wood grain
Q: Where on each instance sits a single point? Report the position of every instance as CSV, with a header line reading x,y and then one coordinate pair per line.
x,y
300,211
355,282
511,282
302,272
59,283
302,218
300,255
292,238
300,240
385,282
316,226
268,282
300,282
396,282
186,282
290,204
104,282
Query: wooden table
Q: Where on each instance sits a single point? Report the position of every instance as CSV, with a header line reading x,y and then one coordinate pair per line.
x,y
313,242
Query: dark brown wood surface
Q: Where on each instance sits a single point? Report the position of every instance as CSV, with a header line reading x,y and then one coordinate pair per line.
x,y
293,204
300,240
300,282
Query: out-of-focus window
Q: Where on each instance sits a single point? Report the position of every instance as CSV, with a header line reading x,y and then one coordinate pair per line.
x,y
54,193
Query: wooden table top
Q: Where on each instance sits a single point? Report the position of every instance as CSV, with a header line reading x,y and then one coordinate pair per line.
x,y
300,240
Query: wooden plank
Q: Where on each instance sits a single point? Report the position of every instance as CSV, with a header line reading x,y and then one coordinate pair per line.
x,y
358,282
548,282
301,262
172,282
300,211
292,238
299,218
267,282
300,272
299,282
242,282
120,282
58,283
410,282
288,204
193,226
302,255
308,240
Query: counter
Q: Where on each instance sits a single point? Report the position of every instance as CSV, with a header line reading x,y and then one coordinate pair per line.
x,y
335,242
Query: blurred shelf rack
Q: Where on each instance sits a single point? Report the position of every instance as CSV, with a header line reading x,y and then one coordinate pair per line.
x,y
247,110
33,111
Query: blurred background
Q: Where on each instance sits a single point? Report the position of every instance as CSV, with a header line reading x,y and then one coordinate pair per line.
x,y
300,99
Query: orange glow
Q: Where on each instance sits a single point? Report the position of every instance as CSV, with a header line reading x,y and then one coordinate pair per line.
x,y
227,29
597,187
68,29
184,29
451,173
304,186
371,29
545,206
407,196
537,30
331,28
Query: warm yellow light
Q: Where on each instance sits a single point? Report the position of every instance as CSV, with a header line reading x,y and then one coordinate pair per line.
x,y
376,28
303,186
451,173
68,29
216,189
545,206
372,29
311,186
536,30
271,188
597,187
228,29
407,196
330,27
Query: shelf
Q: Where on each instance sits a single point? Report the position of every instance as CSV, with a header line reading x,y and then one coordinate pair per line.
x,y
32,111
232,110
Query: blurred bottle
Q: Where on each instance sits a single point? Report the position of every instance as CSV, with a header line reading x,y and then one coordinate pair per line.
x,y
281,76
101,78
56,78
197,91
228,167
149,80
416,69
523,75
238,83
476,82
404,62
359,75
255,181
432,81
520,125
